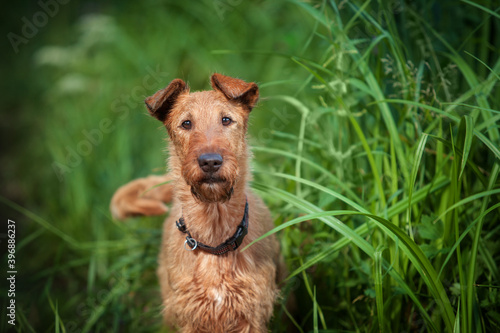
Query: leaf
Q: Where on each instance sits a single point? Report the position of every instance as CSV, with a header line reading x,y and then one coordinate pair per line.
x,y
378,259
370,292
489,11
407,245
430,230
492,146
465,129
416,165
430,250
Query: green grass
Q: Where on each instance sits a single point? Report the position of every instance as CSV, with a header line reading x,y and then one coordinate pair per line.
x,y
376,147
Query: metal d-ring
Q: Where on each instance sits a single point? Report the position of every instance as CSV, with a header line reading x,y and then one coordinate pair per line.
x,y
189,240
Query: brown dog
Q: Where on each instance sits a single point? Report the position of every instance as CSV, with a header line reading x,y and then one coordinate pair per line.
x,y
207,284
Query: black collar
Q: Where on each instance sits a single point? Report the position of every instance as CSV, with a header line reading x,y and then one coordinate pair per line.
x,y
231,244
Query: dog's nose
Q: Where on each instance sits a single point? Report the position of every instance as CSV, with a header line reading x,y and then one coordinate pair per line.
x,y
210,163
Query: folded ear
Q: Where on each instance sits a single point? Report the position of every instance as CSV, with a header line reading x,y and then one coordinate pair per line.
x,y
160,104
236,90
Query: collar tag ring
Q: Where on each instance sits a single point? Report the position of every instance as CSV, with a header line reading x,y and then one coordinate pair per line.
x,y
190,241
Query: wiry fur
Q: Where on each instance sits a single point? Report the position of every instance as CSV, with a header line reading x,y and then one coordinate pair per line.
x,y
201,292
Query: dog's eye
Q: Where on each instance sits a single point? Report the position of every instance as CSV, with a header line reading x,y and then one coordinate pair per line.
x,y
226,121
187,124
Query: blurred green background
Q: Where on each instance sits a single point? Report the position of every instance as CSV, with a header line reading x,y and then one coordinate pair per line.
x,y
387,108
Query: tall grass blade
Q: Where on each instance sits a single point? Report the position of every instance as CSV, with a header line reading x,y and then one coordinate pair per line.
x,y
292,319
487,10
118,290
485,65
475,244
413,251
464,233
376,177
468,122
314,165
467,200
379,287
57,319
416,164
45,224
493,147
304,111
361,230
456,327
315,312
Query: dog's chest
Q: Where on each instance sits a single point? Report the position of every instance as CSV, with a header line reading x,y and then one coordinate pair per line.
x,y
217,295
219,284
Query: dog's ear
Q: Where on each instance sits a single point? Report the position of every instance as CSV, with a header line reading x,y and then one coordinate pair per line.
x,y
160,104
236,90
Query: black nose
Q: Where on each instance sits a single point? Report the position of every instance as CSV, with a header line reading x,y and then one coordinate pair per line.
x,y
210,163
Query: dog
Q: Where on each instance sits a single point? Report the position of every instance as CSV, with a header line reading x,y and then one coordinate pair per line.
x,y
207,283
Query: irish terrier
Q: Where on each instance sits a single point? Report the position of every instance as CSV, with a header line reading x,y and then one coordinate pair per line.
x,y
207,283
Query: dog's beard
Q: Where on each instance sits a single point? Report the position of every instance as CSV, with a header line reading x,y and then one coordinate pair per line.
x,y
211,187
210,192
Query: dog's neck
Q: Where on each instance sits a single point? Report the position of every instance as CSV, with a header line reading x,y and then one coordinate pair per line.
x,y
213,223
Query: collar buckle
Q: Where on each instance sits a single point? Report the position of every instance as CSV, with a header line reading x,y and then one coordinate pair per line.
x,y
181,225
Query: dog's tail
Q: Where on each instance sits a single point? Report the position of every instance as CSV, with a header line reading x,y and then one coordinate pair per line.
x,y
143,196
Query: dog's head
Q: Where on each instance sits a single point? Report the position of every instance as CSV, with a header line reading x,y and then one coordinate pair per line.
x,y
207,130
